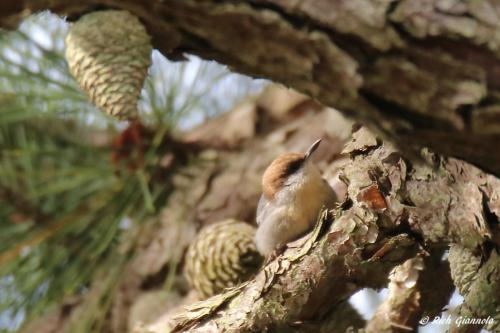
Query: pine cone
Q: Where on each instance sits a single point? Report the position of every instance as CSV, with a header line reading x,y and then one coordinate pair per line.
x,y
464,266
222,255
109,53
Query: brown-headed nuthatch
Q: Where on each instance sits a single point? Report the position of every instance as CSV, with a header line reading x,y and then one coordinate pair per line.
x,y
293,194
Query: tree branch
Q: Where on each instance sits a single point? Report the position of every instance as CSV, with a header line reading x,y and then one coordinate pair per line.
x,y
303,284
368,236
421,285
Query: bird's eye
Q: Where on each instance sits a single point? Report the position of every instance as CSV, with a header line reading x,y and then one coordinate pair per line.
x,y
294,166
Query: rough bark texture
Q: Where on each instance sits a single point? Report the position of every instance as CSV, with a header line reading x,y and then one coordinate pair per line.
x,y
420,286
424,73
379,225
478,283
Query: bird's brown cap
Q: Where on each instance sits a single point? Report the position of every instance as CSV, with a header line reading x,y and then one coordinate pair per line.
x,y
283,166
276,173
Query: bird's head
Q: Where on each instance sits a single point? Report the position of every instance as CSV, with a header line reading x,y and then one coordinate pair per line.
x,y
283,168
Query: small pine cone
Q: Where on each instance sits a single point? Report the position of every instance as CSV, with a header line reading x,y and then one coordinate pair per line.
x,y
109,53
464,266
494,324
222,255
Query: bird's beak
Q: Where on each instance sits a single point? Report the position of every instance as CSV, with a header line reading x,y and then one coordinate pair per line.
x,y
311,149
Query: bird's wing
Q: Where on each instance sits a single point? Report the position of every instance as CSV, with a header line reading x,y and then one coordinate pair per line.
x,y
262,208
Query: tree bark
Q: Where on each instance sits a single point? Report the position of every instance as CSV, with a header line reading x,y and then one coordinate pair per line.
x,y
423,73
379,226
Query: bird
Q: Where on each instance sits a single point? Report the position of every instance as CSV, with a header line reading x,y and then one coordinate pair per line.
x,y
293,194
222,255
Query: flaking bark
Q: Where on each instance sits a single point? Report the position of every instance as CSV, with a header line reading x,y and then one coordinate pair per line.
x,y
420,286
369,235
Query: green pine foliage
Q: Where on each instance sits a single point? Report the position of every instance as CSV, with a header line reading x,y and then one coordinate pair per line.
x,y
67,213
